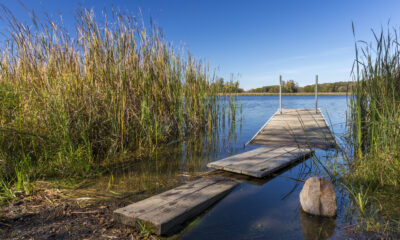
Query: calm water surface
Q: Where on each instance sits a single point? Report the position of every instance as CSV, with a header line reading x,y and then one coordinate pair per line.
x,y
270,209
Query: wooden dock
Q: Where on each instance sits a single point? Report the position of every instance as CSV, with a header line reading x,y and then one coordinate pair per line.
x,y
166,212
296,127
262,161
288,136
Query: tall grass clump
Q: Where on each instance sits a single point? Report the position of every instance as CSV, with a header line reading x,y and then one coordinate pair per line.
x,y
375,110
374,173
70,101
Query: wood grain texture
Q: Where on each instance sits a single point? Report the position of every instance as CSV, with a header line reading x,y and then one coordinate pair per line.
x,y
296,127
165,212
263,161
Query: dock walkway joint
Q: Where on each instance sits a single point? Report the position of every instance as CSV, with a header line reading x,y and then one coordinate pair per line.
x,y
262,161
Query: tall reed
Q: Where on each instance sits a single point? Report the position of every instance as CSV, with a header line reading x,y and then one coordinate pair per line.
x,y
373,177
375,110
71,101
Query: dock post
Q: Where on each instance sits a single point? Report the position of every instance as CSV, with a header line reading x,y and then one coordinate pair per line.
x,y
280,94
316,93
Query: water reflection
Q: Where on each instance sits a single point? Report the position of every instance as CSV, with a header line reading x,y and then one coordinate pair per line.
x,y
315,227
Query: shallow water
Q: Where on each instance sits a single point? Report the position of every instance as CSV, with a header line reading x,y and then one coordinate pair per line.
x,y
270,209
256,209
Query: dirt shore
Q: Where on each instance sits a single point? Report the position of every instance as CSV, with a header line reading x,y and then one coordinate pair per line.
x,y
47,214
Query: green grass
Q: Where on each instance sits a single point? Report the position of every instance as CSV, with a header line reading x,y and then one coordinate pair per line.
x,y
71,104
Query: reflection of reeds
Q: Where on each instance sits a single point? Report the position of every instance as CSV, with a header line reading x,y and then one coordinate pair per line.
x,y
70,103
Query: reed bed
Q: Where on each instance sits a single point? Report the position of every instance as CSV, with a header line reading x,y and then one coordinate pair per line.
x,y
373,177
375,110
72,101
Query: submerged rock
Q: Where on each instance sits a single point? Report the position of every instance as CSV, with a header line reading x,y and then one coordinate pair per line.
x,y
318,197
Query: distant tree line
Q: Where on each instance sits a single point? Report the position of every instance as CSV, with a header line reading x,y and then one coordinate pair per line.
x,y
328,87
222,86
291,86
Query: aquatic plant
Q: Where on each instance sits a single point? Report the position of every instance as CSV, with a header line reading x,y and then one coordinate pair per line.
x,y
374,141
375,110
70,102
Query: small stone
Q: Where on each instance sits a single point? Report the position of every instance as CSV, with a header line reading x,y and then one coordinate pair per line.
x,y
318,197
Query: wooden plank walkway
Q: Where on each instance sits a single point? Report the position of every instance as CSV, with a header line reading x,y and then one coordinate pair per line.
x,y
296,127
262,161
165,212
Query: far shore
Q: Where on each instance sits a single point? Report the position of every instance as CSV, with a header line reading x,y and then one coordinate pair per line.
x,y
286,94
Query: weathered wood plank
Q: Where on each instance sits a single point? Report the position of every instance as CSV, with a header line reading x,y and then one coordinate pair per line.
x,y
322,145
275,164
263,164
280,161
166,217
248,154
142,207
304,127
166,211
295,125
252,157
299,140
245,163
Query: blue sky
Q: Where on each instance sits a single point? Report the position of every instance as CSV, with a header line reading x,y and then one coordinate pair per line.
x,y
255,40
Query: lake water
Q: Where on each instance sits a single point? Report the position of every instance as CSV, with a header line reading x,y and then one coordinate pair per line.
x,y
256,209
270,209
